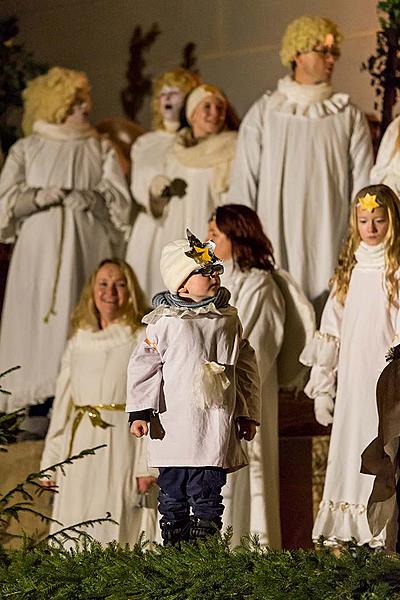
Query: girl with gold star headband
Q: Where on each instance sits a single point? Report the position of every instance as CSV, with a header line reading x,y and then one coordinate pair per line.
x,y
347,355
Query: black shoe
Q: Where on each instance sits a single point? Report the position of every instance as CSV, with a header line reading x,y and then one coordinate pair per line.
x,y
202,528
174,532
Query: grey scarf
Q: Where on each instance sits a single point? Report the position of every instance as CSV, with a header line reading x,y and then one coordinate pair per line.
x,y
221,300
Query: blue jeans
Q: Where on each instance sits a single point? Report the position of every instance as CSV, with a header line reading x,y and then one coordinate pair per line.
x,y
196,488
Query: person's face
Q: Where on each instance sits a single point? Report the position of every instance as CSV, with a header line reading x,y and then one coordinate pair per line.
x,y
223,245
79,114
171,102
317,65
372,226
198,286
110,293
209,116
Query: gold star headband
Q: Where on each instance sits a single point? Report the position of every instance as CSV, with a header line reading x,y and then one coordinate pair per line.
x,y
203,253
368,202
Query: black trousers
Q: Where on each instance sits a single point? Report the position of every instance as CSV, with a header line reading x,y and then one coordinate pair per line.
x,y
195,489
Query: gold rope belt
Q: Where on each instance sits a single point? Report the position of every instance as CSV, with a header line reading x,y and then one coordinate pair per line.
x,y
52,309
93,412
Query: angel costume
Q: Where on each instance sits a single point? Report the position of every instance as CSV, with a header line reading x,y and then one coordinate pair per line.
x,y
205,168
267,304
347,355
56,248
89,411
302,152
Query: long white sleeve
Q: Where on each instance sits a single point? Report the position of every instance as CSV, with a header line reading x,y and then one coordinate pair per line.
x,y
115,190
385,170
13,187
53,448
323,352
246,165
144,383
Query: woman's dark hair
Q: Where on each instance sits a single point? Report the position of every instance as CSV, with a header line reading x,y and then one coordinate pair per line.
x,y
250,245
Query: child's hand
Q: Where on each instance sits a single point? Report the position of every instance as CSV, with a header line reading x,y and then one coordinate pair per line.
x,y
247,429
139,428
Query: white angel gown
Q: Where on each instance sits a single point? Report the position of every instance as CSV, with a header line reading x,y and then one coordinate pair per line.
x,y
74,159
93,373
347,356
302,152
251,496
205,167
387,166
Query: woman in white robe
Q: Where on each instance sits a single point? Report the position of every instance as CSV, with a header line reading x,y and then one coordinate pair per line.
x,y
259,292
65,204
89,411
347,355
191,181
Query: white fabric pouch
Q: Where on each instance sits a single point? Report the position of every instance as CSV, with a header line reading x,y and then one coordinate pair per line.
x,y
209,385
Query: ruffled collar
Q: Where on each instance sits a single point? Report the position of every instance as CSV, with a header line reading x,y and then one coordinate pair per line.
x,y
116,334
64,131
186,313
204,153
313,101
370,257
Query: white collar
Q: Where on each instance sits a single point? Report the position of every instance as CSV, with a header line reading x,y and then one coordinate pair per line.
x,y
64,131
312,101
370,257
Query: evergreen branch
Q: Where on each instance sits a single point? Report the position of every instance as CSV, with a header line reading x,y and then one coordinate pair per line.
x,y
75,533
42,474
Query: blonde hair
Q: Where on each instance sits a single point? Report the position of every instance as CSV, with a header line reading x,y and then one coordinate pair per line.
x,y
183,79
386,198
50,97
86,315
303,34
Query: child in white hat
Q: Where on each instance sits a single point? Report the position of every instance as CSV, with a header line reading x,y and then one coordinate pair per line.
x,y
195,381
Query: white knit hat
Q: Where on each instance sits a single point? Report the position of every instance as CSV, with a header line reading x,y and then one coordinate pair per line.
x,y
198,94
175,266
180,258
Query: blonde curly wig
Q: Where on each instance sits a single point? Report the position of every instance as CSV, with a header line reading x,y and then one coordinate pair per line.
x,y
340,281
303,34
50,97
181,78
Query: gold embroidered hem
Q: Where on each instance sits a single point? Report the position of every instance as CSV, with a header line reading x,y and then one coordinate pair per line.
x,y
93,412
343,506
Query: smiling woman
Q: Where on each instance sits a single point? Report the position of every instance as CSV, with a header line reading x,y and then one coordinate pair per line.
x,y
89,411
110,293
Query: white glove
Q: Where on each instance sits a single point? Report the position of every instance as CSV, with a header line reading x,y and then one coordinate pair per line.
x,y
159,186
80,200
49,197
323,409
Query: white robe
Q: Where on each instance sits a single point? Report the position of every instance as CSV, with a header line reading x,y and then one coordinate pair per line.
x,y
387,166
94,372
199,375
301,154
154,157
71,159
251,496
347,357
148,156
